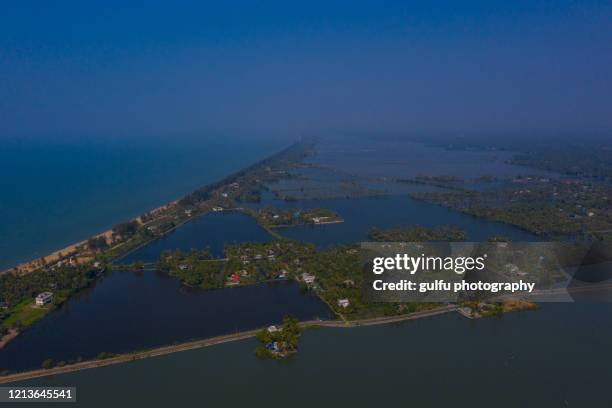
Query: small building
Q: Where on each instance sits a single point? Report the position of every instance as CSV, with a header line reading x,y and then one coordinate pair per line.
x,y
282,274
318,220
97,265
349,283
183,267
273,329
308,278
188,213
343,303
273,346
224,195
235,278
217,209
44,298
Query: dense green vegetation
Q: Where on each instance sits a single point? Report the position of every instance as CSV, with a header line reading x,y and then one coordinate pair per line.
x,y
251,180
579,161
97,243
196,268
271,217
126,229
278,342
446,182
539,205
417,234
580,157
337,272
244,264
18,292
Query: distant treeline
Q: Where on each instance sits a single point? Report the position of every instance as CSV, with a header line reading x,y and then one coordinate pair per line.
x,y
292,153
575,156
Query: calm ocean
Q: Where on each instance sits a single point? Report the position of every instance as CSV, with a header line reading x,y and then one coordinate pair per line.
x,y
55,193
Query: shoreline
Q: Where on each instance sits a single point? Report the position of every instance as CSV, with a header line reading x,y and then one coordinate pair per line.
x,y
8,337
37,263
212,341
34,264
177,213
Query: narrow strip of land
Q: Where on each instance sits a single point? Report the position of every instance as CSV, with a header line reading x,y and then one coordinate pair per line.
x,y
211,342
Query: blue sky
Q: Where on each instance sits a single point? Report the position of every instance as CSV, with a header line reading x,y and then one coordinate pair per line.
x,y
107,70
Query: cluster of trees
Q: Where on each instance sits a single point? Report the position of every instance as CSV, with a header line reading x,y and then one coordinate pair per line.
x,y
194,268
542,206
63,281
581,161
126,229
262,170
280,343
417,233
254,262
271,216
266,260
339,275
249,196
97,243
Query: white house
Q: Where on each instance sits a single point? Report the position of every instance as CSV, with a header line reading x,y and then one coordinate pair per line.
x,y
273,329
344,303
318,220
308,278
44,298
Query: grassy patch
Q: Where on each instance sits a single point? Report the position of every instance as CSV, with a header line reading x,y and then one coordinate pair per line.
x,y
25,313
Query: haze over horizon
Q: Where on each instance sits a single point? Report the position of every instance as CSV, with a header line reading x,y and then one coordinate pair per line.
x,y
77,70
